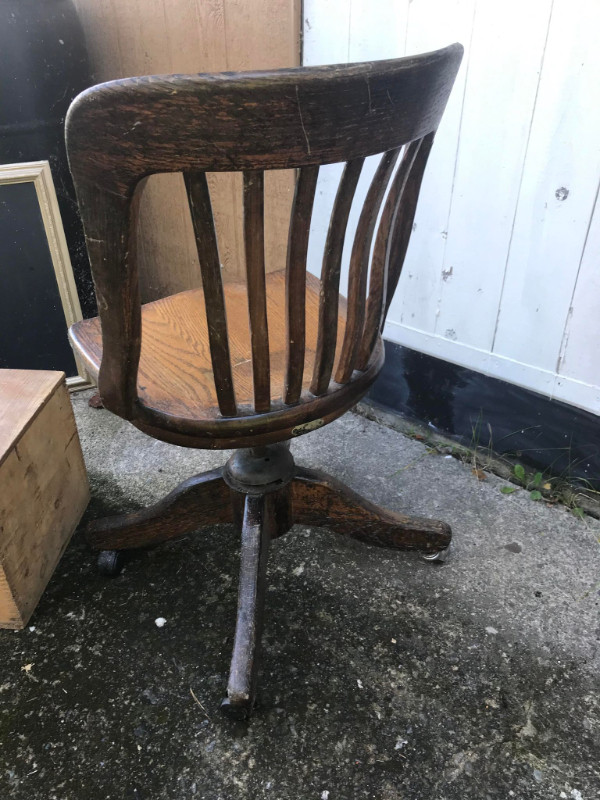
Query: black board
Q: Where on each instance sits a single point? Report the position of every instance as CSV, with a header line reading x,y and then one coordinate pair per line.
x,y
33,329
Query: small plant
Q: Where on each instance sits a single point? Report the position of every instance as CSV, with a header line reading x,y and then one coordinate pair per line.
x,y
535,482
519,471
532,486
577,494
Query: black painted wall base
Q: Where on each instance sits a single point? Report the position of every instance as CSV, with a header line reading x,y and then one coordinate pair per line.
x,y
478,410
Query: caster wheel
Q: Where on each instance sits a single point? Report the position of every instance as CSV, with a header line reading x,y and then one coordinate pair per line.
x,y
438,557
111,562
236,712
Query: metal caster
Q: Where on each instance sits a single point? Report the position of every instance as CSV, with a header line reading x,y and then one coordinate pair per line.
x,y
438,557
239,712
111,562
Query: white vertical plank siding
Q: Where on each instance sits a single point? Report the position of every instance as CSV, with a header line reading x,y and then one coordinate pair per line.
x,y
338,31
580,352
376,26
326,40
375,29
503,270
558,191
416,301
499,102
326,32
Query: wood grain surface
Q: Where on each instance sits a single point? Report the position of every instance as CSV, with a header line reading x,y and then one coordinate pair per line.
x,y
212,284
22,394
254,248
175,374
359,264
43,486
259,526
318,499
253,123
201,501
330,276
295,280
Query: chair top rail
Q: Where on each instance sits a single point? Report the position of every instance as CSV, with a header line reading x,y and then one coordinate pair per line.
x,y
120,131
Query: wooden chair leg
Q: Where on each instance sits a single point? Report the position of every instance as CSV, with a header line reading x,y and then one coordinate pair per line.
x,y
318,499
261,523
198,502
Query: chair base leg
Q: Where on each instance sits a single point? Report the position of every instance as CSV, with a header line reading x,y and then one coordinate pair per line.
x,y
262,511
261,522
199,502
325,502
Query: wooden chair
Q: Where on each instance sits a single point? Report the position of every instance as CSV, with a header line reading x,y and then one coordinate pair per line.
x,y
252,365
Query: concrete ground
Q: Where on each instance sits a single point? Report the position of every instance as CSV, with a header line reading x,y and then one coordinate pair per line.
x,y
383,676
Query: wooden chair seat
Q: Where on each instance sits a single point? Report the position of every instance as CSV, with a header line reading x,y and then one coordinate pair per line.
x,y
175,374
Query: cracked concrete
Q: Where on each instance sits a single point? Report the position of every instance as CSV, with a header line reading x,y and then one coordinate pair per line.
x,y
382,676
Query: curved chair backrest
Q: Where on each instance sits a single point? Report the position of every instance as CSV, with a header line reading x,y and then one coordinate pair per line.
x,y
119,133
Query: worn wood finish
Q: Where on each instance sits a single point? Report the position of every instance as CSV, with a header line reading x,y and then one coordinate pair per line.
x,y
258,528
262,511
250,365
248,122
212,284
318,499
312,498
43,486
23,393
201,501
359,265
277,425
330,276
254,241
110,235
316,115
381,254
176,364
295,302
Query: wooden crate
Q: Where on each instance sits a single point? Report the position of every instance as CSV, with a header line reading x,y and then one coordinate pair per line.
x,y
43,486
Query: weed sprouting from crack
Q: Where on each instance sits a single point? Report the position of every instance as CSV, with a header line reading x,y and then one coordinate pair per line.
x,y
576,494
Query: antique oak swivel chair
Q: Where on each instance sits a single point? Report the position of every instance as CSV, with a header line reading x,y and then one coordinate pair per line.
x,y
252,365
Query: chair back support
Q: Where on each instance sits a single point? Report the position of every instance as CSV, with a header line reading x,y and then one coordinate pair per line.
x,y
121,132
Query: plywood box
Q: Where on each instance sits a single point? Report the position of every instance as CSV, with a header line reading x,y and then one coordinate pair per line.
x,y
43,486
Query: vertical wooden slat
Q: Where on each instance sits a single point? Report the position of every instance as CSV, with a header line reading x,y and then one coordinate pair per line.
x,y
380,261
295,281
254,244
359,265
330,277
214,299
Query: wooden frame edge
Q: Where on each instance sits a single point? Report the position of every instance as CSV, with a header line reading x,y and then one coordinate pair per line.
x,y
39,173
